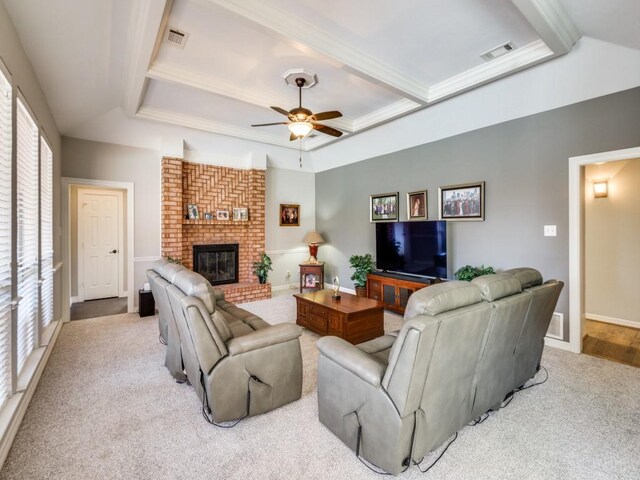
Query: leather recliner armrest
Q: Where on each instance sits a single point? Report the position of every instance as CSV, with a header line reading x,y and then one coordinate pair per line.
x,y
264,337
353,359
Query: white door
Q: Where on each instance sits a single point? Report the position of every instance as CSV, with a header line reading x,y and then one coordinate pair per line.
x,y
99,243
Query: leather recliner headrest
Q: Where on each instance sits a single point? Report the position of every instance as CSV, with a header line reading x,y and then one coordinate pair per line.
x,y
496,286
158,264
170,270
528,277
195,285
442,298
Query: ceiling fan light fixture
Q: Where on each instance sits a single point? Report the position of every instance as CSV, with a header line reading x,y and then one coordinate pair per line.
x,y
300,129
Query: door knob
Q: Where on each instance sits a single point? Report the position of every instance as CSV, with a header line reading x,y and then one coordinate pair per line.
x,y
114,251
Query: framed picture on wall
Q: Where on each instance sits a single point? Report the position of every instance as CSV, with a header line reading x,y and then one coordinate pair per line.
x,y
464,202
222,214
417,205
289,215
383,207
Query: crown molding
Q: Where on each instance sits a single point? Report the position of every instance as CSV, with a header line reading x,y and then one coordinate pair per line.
x,y
300,31
180,76
145,27
519,59
552,23
386,113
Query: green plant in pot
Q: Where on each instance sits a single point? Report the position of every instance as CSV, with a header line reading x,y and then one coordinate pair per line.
x,y
362,265
262,267
468,273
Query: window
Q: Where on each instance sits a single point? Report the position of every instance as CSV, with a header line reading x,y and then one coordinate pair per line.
x,y
27,233
5,238
46,234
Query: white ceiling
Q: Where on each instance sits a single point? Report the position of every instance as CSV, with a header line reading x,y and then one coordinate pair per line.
x,y
376,61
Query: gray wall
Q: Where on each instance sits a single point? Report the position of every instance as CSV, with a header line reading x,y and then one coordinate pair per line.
x,y
106,161
525,167
284,244
24,78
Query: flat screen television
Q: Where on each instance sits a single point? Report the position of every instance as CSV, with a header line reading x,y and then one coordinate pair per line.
x,y
413,248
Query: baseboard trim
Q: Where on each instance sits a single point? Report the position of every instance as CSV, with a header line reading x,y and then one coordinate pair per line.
x,y
559,344
283,287
615,321
17,405
342,289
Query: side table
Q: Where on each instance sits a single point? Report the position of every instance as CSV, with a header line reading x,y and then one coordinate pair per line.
x,y
311,276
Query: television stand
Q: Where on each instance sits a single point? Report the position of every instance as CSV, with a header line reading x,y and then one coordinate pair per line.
x,y
394,290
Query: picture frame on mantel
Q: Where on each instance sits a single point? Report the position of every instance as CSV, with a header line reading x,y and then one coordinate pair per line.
x,y
383,207
240,214
192,212
417,205
289,215
222,214
461,203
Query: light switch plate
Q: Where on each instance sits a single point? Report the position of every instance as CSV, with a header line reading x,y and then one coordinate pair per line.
x,y
549,230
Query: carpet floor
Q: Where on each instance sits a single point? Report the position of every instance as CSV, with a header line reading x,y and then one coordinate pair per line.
x,y
106,408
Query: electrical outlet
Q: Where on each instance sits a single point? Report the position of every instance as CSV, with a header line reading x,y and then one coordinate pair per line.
x,y
549,230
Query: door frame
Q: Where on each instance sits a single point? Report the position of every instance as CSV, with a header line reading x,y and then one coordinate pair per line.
x,y
576,236
67,183
80,232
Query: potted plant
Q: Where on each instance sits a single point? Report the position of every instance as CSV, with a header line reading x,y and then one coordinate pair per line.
x,y
362,266
468,273
262,267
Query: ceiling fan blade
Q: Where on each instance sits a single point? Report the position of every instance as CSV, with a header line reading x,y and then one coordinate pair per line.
x,y
293,137
326,115
328,130
281,110
269,124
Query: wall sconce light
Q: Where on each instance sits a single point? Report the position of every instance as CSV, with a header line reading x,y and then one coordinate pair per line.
x,y
600,189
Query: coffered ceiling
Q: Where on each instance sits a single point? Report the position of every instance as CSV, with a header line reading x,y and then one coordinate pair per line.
x,y
375,61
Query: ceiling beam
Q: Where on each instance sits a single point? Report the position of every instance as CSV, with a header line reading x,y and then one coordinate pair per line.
x,y
147,23
301,31
551,21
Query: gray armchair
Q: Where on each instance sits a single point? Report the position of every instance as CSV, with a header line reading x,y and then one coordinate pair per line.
x,y
240,367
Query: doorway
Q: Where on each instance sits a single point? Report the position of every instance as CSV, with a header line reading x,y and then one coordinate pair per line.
x,y
577,264
98,255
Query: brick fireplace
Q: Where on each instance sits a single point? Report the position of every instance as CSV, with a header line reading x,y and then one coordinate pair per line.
x,y
214,188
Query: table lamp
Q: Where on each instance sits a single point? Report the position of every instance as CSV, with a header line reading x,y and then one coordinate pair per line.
x,y
313,238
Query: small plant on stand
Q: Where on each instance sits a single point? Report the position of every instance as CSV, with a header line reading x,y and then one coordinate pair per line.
x,y
262,267
362,265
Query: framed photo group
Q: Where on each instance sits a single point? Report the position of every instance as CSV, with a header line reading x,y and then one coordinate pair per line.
x,y
462,202
239,214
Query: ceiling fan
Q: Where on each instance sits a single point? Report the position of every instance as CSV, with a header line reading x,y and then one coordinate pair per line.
x,y
302,121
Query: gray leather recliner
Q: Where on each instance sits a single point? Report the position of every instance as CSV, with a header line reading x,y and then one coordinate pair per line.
x,y
239,366
462,348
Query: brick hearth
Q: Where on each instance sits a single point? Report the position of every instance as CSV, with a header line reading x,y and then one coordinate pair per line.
x,y
214,188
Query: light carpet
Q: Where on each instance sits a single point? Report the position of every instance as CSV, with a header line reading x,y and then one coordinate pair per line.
x,y
106,408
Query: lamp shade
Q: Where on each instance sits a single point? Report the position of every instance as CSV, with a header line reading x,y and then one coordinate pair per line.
x,y
300,129
313,237
600,189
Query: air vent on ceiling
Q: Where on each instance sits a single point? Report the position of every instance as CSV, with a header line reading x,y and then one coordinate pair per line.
x,y
498,51
176,37
556,326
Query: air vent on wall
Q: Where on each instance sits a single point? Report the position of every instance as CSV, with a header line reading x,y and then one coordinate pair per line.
x,y
498,51
176,37
556,326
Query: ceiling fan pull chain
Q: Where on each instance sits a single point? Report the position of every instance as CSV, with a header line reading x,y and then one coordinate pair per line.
x,y
300,150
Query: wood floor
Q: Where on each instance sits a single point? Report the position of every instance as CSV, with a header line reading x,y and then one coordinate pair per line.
x,y
613,342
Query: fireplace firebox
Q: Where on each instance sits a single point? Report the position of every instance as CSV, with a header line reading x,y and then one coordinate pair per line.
x,y
218,263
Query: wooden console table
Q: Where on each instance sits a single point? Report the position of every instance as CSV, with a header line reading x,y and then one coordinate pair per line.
x,y
393,292
311,276
356,319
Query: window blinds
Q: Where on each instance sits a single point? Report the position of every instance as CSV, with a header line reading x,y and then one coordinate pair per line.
x,y
46,234
5,238
27,234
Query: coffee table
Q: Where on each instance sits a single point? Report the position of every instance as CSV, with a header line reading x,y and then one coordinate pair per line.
x,y
356,319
